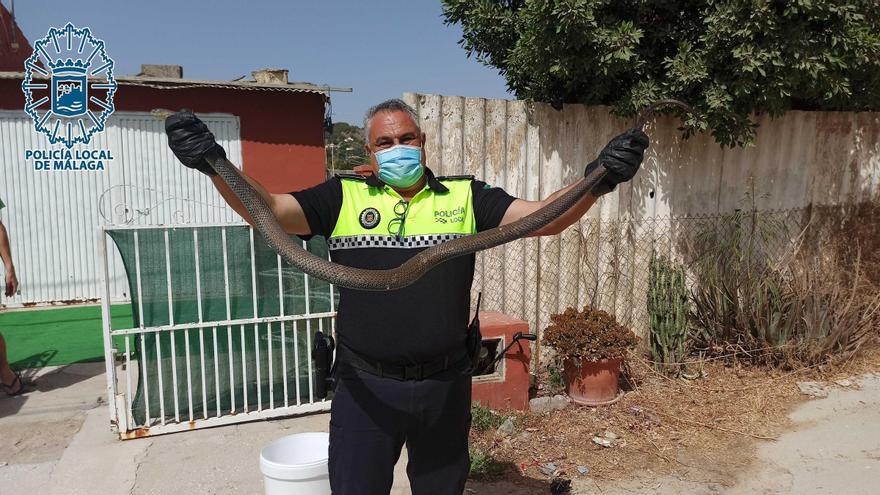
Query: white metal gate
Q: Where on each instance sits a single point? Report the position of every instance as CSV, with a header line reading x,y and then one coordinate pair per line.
x,y
123,370
51,215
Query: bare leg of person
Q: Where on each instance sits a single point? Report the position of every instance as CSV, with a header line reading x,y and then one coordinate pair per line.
x,y
6,374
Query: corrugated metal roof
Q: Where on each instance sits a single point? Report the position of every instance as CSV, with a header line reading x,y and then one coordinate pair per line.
x,y
172,83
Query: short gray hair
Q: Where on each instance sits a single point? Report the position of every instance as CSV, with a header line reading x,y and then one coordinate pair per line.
x,y
392,105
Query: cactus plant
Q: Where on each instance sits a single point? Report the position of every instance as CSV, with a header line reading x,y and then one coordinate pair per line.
x,y
668,309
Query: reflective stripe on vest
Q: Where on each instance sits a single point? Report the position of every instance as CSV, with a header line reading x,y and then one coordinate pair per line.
x,y
368,218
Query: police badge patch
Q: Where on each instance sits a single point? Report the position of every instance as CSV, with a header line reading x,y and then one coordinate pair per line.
x,y
369,218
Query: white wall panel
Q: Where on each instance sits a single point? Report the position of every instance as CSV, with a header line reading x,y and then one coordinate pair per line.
x,y
52,216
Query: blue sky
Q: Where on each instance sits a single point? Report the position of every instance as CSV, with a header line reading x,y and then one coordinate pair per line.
x,y
380,48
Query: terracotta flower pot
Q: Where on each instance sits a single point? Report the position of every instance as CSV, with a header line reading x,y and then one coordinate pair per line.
x,y
594,383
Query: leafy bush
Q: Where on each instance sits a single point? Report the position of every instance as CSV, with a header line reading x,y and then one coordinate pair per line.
x,y
484,419
668,308
727,59
591,334
555,382
483,464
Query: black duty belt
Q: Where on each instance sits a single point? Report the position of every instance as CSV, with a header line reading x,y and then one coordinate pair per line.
x,y
419,371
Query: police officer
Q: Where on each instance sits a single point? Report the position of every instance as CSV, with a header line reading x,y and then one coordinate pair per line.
x,y
402,367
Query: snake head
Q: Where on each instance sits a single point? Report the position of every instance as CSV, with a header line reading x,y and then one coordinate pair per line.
x,y
647,113
161,113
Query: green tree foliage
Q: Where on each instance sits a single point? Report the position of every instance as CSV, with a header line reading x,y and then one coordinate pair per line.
x,y
727,58
345,147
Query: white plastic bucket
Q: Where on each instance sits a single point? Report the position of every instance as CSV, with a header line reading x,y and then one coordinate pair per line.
x,y
296,465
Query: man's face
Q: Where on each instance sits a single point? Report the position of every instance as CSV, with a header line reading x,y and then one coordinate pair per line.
x,y
389,129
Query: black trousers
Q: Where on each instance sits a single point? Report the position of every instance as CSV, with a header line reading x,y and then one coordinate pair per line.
x,y
372,417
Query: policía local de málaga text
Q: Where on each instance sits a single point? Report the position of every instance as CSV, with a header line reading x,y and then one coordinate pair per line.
x,y
65,159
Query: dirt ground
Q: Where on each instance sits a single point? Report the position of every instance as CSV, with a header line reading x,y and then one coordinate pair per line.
x,y
686,436
674,437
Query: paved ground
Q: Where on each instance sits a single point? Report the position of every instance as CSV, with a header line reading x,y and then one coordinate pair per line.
x,y
835,448
56,440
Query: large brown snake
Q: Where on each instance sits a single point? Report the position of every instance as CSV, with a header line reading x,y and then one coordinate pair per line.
x,y
292,252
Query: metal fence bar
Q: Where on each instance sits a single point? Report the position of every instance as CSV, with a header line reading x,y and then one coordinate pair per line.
x,y
320,329
204,374
253,272
269,352
159,377
333,309
231,369
189,390
308,332
107,327
143,354
203,225
143,359
228,420
244,369
221,323
228,317
283,336
161,381
256,315
128,392
137,270
259,380
201,330
332,320
295,327
171,321
216,372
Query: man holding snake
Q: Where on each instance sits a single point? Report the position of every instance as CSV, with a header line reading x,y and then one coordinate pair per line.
x,y
403,370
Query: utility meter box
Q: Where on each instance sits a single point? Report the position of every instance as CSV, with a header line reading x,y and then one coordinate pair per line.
x,y
505,385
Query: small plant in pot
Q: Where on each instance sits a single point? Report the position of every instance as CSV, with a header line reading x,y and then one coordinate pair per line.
x,y
592,345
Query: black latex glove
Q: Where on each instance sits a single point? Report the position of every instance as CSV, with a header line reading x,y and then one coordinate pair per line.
x,y
622,156
190,140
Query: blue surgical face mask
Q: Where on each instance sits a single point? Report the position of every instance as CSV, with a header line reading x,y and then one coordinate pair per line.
x,y
400,166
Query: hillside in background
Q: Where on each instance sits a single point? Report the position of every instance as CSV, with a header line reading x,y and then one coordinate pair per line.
x,y
345,147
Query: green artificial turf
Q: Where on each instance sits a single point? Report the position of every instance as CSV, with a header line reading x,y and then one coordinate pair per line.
x,y
54,336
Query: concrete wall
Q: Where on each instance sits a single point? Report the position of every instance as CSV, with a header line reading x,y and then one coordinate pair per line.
x,y
532,150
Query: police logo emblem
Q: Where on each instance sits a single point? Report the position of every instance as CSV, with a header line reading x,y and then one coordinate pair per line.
x,y
369,218
81,76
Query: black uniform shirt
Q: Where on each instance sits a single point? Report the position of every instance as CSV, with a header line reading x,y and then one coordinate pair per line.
x,y
417,323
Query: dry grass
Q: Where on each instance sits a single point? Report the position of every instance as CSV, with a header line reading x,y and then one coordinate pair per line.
x,y
813,304
705,430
